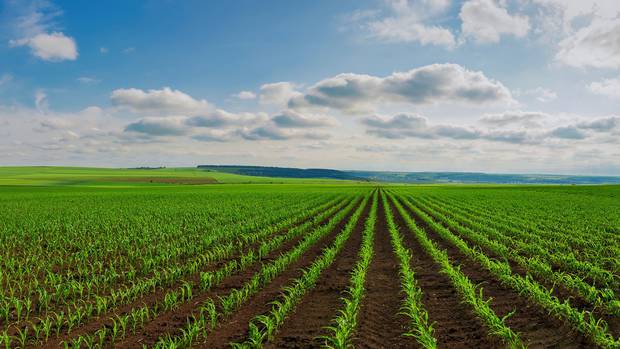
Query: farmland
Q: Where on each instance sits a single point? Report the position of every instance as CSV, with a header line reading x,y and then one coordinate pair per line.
x,y
108,262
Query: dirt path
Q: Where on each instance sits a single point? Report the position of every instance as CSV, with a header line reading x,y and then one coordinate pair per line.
x,y
321,304
536,328
379,323
456,326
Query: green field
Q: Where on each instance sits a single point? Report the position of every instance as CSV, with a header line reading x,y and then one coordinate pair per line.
x,y
84,176
168,258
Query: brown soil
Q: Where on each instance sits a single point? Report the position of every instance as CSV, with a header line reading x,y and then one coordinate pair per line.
x,y
162,180
321,304
235,328
536,328
153,298
561,292
379,323
455,324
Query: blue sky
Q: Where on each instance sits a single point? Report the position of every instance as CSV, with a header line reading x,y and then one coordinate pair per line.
x,y
418,85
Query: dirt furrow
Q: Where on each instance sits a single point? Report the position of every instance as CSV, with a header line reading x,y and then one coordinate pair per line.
x,y
157,296
176,318
321,304
235,328
536,328
558,290
455,324
379,323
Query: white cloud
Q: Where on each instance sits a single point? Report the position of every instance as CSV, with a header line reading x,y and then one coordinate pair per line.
x,y
214,136
445,83
273,133
159,126
52,47
216,118
33,23
245,95
86,80
278,93
606,87
605,124
40,101
485,21
541,94
293,119
415,126
567,132
526,118
408,29
411,21
103,50
596,45
164,101
570,10
544,94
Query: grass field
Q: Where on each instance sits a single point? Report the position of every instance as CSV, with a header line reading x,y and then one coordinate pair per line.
x,y
96,258
83,176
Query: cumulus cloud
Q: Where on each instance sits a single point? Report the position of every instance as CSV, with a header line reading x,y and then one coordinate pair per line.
x,y
33,24
605,124
158,126
217,118
596,45
245,95
213,136
415,126
278,93
264,132
409,29
222,126
485,21
567,132
425,85
271,132
606,87
52,47
293,119
399,121
513,117
164,101
411,21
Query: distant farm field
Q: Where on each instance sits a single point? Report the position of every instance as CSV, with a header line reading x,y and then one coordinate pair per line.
x,y
171,260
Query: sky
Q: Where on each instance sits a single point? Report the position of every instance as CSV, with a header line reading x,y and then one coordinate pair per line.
x,y
503,86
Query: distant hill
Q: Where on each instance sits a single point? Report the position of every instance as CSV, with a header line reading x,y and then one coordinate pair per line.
x,y
281,172
476,177
411,177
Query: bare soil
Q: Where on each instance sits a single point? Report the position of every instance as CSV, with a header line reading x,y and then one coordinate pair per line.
x,y
379,323
321,304
536,328
455,324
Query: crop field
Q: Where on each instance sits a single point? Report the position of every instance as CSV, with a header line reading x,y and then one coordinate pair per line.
x,y
295,265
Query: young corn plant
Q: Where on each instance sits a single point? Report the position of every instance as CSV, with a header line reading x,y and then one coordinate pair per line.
x,y
412,307
346,322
